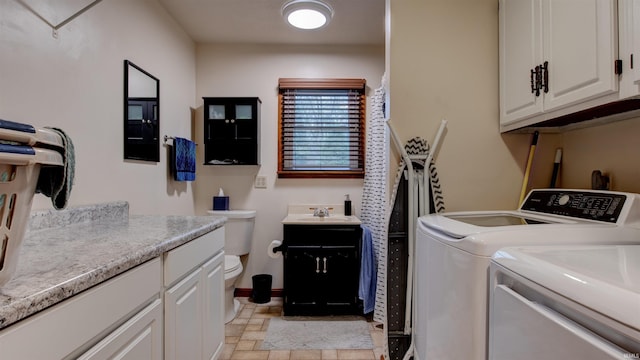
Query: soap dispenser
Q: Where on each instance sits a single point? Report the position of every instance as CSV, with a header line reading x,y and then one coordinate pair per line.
x,y
347,206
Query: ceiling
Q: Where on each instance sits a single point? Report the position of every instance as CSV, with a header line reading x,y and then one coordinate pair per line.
x,y
355,22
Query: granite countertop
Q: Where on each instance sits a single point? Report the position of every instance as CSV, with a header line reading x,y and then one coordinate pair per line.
x,y
66,252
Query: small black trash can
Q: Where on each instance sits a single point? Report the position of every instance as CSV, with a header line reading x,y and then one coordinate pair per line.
x,y
261,288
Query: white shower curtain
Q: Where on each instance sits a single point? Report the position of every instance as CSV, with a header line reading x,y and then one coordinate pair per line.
x,y
374,196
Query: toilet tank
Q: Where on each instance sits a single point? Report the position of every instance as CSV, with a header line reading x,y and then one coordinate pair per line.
x,y
238,230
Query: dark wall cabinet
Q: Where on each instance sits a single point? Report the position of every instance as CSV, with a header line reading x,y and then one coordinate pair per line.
x,y
321,269
231,131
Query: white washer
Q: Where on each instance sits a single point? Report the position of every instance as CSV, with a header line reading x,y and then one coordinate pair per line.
x,y
574,302
453,253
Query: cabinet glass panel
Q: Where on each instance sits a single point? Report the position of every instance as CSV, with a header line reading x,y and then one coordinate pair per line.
x,y
135,112
243,111
216,112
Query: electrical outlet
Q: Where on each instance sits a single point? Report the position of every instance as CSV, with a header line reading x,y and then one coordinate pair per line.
x,y
261,182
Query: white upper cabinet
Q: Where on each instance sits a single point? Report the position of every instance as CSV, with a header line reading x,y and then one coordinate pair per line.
x,y
630,47
634,29
555,54
520,53
581,45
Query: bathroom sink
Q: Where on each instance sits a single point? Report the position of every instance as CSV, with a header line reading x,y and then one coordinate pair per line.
x,y
326,218
303,215
310,219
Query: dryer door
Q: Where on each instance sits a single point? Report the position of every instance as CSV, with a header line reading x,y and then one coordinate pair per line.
x,y
525,330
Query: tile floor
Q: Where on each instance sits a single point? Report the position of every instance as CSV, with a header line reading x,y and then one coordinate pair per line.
x,y
244,336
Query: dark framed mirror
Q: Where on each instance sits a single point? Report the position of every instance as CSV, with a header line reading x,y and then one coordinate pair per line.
x,y
141,114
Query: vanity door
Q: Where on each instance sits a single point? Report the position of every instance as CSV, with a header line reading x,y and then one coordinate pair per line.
x,y
302,279
340,270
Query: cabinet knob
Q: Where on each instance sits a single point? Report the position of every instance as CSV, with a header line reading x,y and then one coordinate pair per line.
x,y
324,270
226,121
233,121
317,265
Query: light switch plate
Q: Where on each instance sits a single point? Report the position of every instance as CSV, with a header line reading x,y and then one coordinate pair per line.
x,y
261,182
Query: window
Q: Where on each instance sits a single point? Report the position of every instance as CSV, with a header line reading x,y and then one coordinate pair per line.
x,y
321,128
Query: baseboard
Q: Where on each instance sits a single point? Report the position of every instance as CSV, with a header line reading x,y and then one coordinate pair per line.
x,y
246,292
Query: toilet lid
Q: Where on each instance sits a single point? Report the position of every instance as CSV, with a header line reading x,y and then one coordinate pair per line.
x,y
231,263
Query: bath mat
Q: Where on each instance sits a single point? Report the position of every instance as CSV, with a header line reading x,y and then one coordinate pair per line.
x,y
317,334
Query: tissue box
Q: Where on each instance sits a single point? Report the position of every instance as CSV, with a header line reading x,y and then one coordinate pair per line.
x,y
220,203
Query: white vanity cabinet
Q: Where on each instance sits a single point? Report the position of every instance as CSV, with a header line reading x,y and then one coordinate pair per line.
x,y
139,338
556,57
194,307
170,307
120,317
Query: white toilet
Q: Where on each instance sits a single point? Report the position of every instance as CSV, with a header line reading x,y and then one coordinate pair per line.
x,y
238,232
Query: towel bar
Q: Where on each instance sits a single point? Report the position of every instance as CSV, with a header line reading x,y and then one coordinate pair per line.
x,y
167,137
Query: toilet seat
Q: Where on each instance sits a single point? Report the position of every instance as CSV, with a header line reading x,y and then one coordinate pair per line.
x,y
232,264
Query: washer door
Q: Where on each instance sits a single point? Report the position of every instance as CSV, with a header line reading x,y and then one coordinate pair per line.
x,y
524,330
458,225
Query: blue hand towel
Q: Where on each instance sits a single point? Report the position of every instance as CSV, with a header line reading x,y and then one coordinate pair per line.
x,y
368,272
184,159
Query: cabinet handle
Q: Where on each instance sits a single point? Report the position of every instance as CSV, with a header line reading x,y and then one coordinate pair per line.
x,y
324,270
536,80
545,77
317,265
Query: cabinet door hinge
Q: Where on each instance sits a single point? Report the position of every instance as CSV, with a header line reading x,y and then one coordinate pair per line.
x,y
618,67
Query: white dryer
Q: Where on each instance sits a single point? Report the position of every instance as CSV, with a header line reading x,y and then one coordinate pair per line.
x,y
453,253
573,302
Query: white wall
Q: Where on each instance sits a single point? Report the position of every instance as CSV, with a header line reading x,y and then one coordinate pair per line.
x,y
253,70
443,60
613,149
75,82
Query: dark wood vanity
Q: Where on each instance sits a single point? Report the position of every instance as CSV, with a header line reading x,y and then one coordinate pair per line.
x,y
321,269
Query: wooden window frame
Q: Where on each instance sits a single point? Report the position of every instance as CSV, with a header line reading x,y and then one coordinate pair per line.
x,y
334,83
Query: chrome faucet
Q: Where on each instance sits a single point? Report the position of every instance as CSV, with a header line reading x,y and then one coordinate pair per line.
x,y
321,212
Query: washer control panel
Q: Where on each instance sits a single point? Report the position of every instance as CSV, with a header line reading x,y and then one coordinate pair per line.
x,y
591,205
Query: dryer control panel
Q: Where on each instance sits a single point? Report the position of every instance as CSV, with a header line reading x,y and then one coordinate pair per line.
x,y
583,204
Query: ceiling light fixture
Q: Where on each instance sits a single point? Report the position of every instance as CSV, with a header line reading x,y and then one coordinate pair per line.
x,y
307,14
